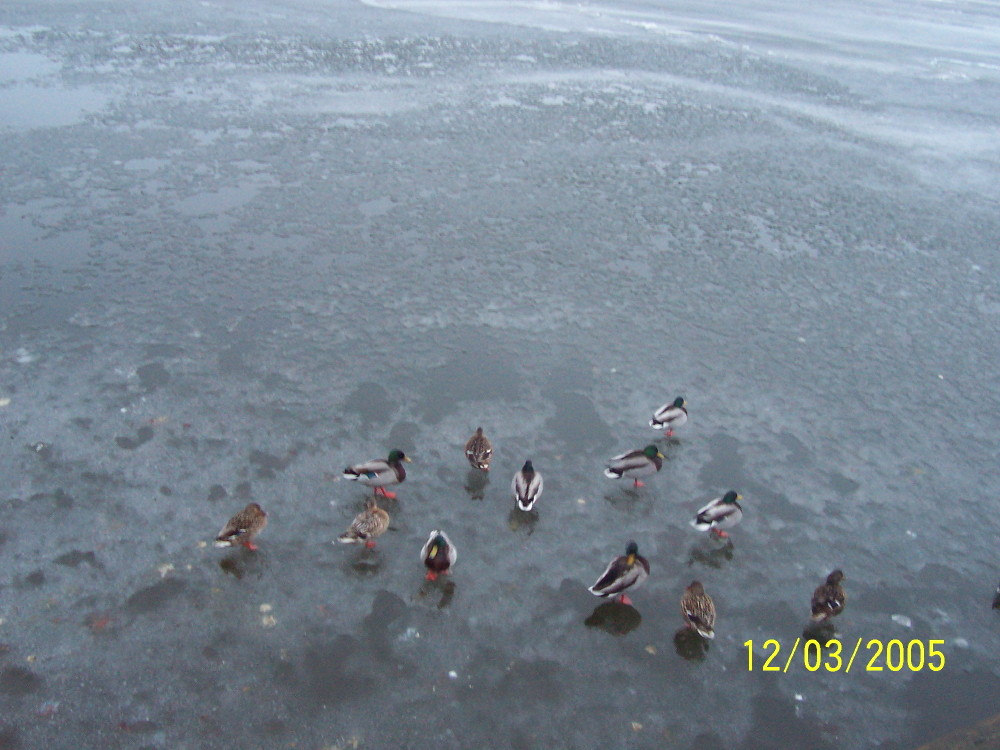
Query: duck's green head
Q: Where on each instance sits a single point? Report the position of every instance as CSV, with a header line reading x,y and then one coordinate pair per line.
x,y
651,451
528,468
396,455
631,550
835,577
679,402
437,543
731,497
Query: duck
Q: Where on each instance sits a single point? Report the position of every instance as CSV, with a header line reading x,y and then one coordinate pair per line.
x,y
526,486
698,610
479,450
243,528
623,572
828,599
367,525
438,554
722,513
635,464
380,472
670,416
996,598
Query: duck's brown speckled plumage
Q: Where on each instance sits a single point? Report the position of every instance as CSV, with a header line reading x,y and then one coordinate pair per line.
x,y
698,610
479,450
243,527
829,599
369,524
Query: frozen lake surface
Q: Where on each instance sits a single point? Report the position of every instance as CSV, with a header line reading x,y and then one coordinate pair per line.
x,y
244,244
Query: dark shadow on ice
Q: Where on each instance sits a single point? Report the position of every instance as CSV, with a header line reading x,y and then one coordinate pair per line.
x,y
365,562
268,465
576,422
443,586
337,670
667,443
625,497
74,558
614,618
242,562
385,626
819,631
522,520
535,680
151,598
15,680
842,485
776,725
481,373
691,646
711,554
371,402
475,483
726,467
403,435
142,436
152,376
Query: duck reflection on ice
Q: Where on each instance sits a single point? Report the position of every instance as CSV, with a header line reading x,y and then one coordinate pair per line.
x,y
691,646
241,562
614,618
623,498
820,631
367,562
475,483
447,588
522,519
711,554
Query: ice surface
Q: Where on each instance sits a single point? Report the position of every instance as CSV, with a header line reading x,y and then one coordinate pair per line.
x,y
243,245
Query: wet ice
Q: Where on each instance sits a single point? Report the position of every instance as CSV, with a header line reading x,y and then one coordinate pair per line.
x,y
242,249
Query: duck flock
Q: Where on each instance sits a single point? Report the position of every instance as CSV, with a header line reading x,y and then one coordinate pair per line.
x,y
624,572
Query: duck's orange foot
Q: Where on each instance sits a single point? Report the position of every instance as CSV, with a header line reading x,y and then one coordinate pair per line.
x,y
370,544
622,599
431,575
720,534
385,493
250,546
639,484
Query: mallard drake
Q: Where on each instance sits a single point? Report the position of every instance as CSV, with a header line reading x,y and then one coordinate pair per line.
x,y
367,525
669,416
624,572
635,464
438,554
243,528
380,472
698,610
828,600
479,450
526,486
722,513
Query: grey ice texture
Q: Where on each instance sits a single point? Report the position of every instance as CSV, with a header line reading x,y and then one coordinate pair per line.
x,y
245,244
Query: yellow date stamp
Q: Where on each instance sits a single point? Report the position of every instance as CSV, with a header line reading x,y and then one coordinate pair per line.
x,y
877,656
